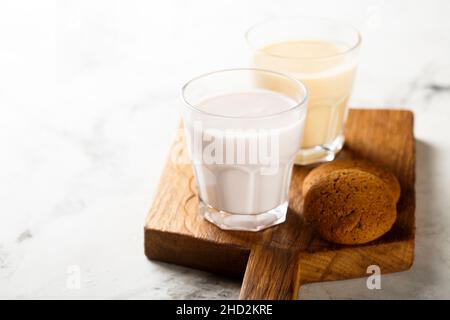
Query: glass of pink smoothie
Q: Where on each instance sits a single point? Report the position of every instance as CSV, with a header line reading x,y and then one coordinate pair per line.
x,y
243,134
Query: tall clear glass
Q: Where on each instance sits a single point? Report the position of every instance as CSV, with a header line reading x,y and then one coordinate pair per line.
x,y
243,134
322,53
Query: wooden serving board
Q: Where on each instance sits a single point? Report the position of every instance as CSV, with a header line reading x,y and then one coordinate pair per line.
x,y
276,261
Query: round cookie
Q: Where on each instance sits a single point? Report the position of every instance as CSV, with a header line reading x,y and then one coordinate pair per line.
x,y
350,207
325,169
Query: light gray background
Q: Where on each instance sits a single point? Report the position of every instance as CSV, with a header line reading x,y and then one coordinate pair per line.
x,y
89,98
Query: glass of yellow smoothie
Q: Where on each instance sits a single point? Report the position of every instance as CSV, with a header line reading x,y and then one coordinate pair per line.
x,y
321,53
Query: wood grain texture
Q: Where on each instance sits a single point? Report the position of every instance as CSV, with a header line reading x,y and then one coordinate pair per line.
x,y
279,266
277,260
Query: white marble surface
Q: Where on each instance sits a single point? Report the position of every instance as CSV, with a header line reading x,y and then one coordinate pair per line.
x,y
89,92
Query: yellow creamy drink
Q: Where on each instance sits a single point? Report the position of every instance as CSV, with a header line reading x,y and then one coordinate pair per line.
x,y
327,73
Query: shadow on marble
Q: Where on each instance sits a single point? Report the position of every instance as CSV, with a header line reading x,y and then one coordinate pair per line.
x,y
187,283
426,270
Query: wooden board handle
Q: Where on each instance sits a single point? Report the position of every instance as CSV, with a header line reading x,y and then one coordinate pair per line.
x,y
271,274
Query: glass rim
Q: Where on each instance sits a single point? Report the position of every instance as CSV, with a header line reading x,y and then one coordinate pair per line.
x,y
352,48
297,105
